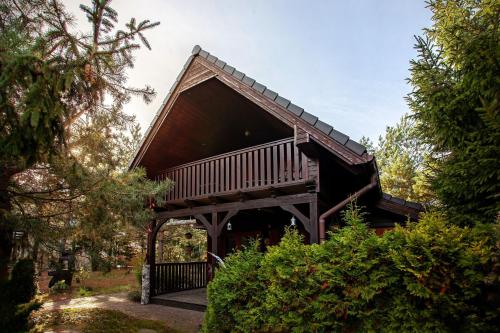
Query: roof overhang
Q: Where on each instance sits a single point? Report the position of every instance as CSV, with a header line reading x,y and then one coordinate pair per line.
x,y
202,66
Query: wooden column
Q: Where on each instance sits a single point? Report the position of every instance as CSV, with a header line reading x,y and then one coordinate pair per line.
x,y
151,253
313,220
214,234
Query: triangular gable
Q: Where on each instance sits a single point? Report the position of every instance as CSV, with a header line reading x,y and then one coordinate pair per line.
x,y
202,66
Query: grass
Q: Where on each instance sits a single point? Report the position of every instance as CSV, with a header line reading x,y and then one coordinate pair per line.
x,y
94,321
98,283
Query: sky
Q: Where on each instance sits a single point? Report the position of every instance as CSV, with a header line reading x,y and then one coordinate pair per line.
x,y
344,61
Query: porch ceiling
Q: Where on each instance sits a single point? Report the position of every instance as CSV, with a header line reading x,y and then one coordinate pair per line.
x,y
209,119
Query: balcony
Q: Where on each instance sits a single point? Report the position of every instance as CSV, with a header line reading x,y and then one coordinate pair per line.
x,y
267,167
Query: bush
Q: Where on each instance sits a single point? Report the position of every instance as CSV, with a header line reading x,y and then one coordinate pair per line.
x,y
23,281
428,277
134,296
59,287
85,291
235,292
137,263
16,296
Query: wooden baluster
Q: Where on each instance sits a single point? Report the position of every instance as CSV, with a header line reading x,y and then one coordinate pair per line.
x,y
236,171
176,186
228,184
179,184
184,176
217,172
275,165
269,176
202,181
212,177
262,179
256,168
282,163
163,279
222,175
198,179
207,178
244,173
289,161
169,277
251,171
193,181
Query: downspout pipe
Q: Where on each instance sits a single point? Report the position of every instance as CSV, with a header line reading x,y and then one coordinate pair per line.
x,y
340,205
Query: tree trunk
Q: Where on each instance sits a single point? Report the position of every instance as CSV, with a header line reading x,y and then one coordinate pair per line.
x,y
6,229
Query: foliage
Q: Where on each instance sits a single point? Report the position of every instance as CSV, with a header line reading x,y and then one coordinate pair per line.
x,y
59,287
65,139
51,76
456,105
95,321
23,281
134,296
403,162
17,297
180,243
81,276
84,292
137,263
235,295
430,277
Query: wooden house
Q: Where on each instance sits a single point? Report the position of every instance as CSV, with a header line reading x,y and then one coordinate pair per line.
x,y
247,162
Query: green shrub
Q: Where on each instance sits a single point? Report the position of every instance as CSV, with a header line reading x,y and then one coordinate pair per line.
x,y
134,296
16,298
235,293
59,287
428,277
137,263
23,281
85,291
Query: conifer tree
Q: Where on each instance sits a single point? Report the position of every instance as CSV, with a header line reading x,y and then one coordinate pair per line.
x,y
58,88
456,105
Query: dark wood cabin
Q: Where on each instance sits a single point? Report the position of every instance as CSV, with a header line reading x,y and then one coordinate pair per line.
x,y
239,153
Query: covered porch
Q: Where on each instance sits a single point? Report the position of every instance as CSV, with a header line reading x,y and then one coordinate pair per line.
x,y
229,226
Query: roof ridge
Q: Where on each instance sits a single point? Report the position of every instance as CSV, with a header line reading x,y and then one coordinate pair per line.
x,y
314,121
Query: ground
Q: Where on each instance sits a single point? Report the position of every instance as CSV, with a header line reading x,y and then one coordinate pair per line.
x,y
175,320
97,283
103,306
95,320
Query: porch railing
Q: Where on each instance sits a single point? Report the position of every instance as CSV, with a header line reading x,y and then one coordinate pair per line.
x,y
270,164
169,277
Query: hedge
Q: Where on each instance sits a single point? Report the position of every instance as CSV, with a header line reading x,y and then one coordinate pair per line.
x,y
425,277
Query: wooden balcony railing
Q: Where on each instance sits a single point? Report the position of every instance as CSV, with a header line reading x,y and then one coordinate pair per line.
x,y
271,164
179,276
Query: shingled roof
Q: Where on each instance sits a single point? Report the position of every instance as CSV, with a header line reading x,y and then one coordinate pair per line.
x,y
339,137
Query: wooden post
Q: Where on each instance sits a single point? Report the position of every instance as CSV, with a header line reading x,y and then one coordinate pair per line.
x,y
160,246
313,219
215,236
151,256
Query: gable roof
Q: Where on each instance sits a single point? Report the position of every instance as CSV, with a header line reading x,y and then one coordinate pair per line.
x,y
357,150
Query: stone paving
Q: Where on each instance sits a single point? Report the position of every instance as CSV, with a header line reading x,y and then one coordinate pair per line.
x,y
179,319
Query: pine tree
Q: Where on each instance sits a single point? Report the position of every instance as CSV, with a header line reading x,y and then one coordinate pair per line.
x,y
455,102
57,85
403,163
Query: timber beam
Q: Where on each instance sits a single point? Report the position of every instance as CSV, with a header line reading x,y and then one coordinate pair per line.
x,y
240,205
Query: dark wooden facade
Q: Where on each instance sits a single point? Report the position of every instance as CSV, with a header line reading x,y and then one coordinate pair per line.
x,y
240,153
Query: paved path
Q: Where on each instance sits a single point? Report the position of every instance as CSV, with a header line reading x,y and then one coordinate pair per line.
x,y
179,319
